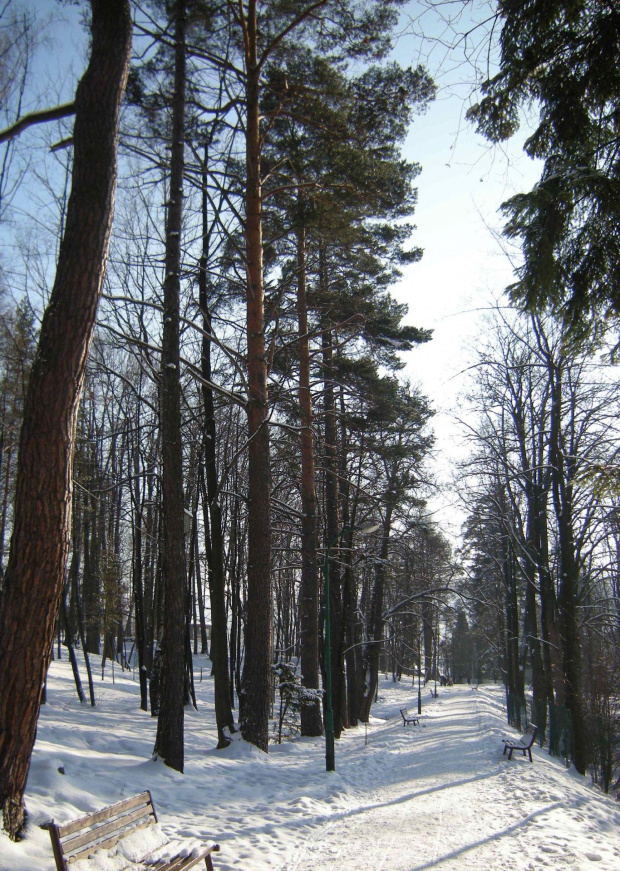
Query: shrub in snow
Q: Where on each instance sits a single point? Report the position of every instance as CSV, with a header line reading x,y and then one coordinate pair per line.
x,y
293,696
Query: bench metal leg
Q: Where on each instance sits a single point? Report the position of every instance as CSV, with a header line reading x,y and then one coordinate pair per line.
x,y
525,750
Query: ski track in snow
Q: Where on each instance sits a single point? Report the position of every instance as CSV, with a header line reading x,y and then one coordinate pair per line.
x,y
440,794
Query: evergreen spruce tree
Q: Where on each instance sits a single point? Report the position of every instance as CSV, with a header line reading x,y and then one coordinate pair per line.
x,y
565,58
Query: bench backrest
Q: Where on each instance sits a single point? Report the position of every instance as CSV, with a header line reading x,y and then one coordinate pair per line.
x,y
527,739
100,830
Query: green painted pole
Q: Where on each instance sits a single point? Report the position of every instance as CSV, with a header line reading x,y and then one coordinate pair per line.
x,y
330,757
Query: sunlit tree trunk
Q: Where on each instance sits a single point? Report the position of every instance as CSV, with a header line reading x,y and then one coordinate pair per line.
x,y
40,541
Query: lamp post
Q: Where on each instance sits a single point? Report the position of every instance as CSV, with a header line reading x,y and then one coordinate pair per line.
x,y
330,761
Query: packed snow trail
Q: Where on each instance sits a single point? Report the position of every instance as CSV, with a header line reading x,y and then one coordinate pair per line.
x,y
440,794
453,800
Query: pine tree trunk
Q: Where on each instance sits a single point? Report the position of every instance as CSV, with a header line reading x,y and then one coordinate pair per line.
x,y
64,619
346,573
571,648
348,649
374,647
235,598
352,636
256,679
204,643
40,540
137,577
531,627
211,498
513,673
217,594
561,474
332,518
169,742
311,724
71,588
91,593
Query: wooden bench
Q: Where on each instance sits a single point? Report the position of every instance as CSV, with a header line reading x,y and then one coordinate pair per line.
x,y
523,743
113,828
408,720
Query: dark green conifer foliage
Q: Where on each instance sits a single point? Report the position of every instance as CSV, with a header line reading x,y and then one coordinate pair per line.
x,y
564,56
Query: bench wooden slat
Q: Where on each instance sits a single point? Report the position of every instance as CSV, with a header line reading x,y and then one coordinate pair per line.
x,y
104,844
98,834
184,863
106,813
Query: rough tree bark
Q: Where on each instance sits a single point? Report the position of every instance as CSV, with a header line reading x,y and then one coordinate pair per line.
x,y
374,646
170,725
311,723
211,497
332,514
562,486
255,682
137,577
513,674
40,540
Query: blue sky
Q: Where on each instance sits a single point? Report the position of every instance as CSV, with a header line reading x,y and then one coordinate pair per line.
x,y
462,185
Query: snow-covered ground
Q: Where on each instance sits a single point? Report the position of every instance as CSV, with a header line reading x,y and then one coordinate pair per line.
x,y
401,799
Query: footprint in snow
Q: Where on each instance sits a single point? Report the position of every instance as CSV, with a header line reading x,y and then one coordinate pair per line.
x,y
593,857
549,848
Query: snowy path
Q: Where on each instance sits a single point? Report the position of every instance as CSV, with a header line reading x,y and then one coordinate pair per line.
x,y
436,795
453,800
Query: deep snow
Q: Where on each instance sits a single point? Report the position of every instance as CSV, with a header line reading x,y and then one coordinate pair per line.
x,y
402,799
